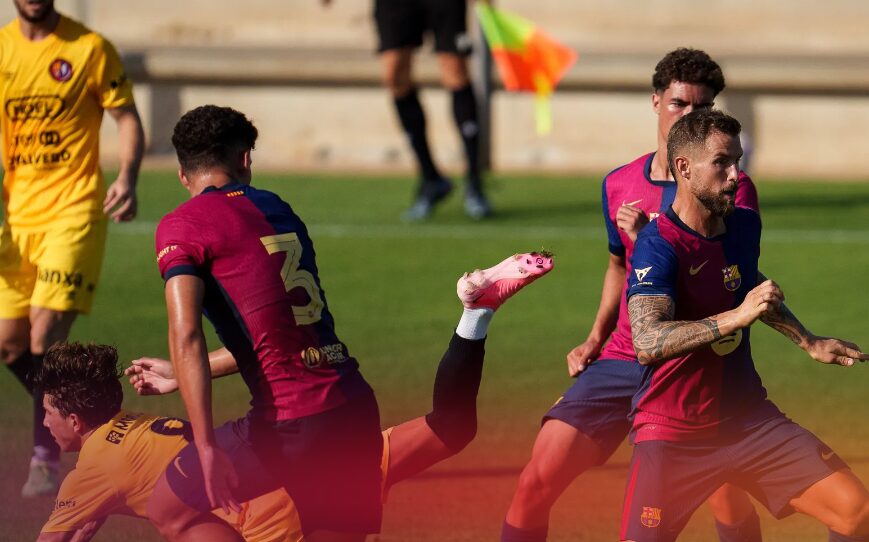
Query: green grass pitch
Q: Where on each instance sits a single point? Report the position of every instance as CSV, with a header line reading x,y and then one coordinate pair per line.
x,y
391,287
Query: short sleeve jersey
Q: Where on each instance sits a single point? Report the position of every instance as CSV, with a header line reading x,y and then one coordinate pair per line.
x,y
117,469
715,390
263,295
632,184
54,92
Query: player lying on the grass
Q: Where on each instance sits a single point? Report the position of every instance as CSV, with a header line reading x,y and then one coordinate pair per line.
x,y
702,417
121,454
84,398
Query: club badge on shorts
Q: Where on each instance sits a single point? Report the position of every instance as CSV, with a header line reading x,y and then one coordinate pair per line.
x,y
651,517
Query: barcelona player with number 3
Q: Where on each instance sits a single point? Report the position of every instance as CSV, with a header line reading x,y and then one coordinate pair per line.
x,y
243,258
702,417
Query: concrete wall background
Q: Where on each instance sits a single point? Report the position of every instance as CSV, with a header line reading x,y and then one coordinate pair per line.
x,y
797,71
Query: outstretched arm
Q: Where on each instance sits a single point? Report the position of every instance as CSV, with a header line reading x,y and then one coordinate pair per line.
x,y
657,337
822,349
155,376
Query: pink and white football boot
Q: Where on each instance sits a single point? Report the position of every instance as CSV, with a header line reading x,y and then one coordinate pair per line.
x,y
489,288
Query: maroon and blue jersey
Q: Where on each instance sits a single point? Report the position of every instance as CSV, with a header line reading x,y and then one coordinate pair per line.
x,y
632,184
263,296
714,391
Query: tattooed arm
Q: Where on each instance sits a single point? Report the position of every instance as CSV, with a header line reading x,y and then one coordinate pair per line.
x,y
822,349
657,337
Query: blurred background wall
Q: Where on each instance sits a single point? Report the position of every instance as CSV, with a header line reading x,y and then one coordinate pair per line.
x,y
797,74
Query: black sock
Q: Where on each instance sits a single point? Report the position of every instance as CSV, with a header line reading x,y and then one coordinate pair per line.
x,y
465,115
454,400
519,534
747,531
412,119
44,446
21,369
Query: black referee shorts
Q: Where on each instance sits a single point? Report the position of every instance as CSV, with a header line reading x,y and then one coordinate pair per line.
x,y
402,23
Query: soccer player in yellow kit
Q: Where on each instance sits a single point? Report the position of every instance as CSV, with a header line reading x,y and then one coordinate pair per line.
x,y
123,454
56,79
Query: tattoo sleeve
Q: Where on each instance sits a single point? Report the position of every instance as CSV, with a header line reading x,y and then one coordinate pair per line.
x,y
658,338
785,322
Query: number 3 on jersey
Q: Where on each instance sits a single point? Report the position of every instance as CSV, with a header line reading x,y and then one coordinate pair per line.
x,y
295,277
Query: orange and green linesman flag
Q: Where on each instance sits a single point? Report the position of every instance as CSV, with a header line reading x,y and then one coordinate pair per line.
x,y
527,59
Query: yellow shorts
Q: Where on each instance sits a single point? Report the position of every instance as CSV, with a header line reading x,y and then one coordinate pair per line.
x,y
268,518
57,268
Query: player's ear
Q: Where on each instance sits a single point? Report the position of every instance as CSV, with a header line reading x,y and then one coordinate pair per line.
x,y
656,102
78,425
182,176
683,167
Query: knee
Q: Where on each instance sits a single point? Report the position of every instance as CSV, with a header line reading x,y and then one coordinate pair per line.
x,y
49,327
533,488
455,429
13,345
397,79
852,517
730,505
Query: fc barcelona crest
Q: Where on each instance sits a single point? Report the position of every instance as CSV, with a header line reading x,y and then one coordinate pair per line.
x,y
651,517
732,278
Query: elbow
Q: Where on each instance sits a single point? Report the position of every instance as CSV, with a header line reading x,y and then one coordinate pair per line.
x,y
646,356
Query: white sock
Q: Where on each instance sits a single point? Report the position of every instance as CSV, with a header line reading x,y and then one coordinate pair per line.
x,y
474,324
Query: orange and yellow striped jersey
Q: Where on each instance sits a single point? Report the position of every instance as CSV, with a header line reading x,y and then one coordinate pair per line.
x,y
54,92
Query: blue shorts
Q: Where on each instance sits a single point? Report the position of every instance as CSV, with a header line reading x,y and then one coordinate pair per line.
x,y
668,481
599,402
329,463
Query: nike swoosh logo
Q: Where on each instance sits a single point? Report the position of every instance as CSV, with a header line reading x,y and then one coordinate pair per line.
x,y
826,456
633,202
694,270
178,466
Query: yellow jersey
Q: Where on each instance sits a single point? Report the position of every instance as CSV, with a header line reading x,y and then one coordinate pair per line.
x,y
121,461
117,468
54,92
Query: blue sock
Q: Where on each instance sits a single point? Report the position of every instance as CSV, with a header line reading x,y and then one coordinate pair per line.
x,y
836,537
518,534
747,531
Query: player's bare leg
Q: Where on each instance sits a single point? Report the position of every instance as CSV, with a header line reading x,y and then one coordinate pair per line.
x,y
735,517
841,502
177,522
560,454
452,424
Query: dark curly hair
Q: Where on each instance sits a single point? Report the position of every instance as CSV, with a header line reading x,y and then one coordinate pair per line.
x,y
212,136
694,129
688,66
82,379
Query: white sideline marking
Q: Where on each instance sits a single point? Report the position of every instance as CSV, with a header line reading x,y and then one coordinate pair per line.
x,y
478,231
